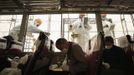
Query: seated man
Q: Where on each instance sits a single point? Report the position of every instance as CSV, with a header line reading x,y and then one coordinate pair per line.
x,y
75,56
114,58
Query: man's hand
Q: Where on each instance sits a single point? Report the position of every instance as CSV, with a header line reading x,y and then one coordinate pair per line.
x,y
106,65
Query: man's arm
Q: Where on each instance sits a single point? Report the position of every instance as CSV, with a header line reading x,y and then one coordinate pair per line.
x,y
78,53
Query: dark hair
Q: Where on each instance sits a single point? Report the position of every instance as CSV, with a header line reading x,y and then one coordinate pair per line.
x,y
108,39
129,38
61,41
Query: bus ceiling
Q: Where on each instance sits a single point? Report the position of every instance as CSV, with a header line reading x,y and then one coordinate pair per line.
x,y
65,6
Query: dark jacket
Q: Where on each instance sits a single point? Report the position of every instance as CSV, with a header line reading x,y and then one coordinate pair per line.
x,y
76,59
116,57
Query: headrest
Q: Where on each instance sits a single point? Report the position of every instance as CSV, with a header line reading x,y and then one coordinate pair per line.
x,y
3,43
16,45
14,52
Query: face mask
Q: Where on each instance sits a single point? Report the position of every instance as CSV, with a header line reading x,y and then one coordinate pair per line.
x,y
64,50
108,47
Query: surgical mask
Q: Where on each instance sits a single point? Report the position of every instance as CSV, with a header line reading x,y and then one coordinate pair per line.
x,y
64,50
108,47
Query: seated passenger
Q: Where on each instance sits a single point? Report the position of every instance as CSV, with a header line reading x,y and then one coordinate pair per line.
x,y
114,58
75,57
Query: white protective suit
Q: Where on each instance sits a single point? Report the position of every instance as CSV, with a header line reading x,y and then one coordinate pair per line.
x,y
122,42
108,28
30,29
80,33
95,43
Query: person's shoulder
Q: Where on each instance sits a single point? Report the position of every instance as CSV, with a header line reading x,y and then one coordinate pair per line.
x,y
75,44
118,48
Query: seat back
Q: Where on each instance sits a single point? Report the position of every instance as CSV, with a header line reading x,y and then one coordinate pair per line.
x,y
3,44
